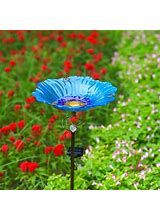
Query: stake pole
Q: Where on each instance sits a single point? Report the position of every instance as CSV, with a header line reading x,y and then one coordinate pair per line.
x,y
72,157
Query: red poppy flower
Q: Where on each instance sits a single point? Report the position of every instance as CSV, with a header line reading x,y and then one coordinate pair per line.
x,y
96,76
35,79
63,44
27,106
7,69
13,52
37,143
67,64
58,150
51,36
34,48
30,100
5,130
4,148
59,38
92,39
48,149
103,71
32,166
73,119
13,126
1,174
21,124
72,35
28,166
66,135
94,34
12,138
24,166
17,107
36,129
44,67
52,119
89,66
97,57
9,40
19,144
90,51
12,63
10,93
20,35
81,36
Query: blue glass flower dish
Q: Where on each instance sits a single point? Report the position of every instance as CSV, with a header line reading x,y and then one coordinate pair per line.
x,y
75,93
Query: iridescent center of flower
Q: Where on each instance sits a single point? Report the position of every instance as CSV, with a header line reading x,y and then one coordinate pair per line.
x,y
75,103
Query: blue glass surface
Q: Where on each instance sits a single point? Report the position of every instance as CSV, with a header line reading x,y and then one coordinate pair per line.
x,y
90,92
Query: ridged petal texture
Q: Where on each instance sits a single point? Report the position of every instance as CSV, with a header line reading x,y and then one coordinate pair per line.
x,y
84,89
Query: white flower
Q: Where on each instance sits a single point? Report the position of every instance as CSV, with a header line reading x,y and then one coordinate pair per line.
x,y
139,76
100,184
136,184
138,126
97,139
124,159
89,172
158,59
124,151
154,55
124,174
118,159
118,183
111,166
94,183
87,152
113,177
148,137
109,126
91,127
123,103
142,175
136,80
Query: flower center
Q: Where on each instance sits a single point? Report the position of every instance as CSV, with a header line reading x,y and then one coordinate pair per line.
x,y
74,103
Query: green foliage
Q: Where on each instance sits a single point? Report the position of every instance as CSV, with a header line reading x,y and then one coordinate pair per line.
x,y
124,152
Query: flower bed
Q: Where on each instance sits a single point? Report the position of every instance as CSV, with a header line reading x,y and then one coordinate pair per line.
x,y
120,140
